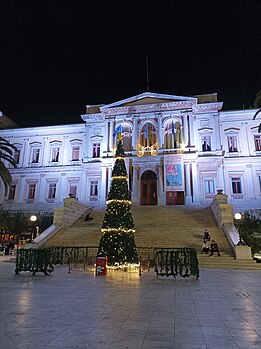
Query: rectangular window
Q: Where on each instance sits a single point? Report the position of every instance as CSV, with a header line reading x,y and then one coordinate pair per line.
x,y
73,190
232,144
94,188
206,144
55,154
257,140
35,155
96,150
11,193
75,153
31,191
52,191
17,156
236,185
209,186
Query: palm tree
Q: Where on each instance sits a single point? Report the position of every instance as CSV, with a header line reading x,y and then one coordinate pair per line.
x,y
257,104
6,154
257,101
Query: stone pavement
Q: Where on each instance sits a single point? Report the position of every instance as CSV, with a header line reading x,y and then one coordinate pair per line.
x,y
221,310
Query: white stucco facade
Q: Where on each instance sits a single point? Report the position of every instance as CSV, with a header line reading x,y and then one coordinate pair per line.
x,y
179,151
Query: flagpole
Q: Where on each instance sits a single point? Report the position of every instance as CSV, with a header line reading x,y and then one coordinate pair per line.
x,y
172,134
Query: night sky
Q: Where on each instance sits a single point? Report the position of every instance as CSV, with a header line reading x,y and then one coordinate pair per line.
x,y
57,56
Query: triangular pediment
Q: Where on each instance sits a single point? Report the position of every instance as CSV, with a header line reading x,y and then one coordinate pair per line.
x,y
147,98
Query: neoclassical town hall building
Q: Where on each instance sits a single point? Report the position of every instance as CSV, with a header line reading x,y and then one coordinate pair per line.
x,y
179,151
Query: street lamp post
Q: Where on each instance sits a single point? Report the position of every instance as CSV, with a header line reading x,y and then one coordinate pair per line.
x,y
238,217
33,219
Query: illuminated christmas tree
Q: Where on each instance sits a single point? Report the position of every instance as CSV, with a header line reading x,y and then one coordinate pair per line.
x,y
117,241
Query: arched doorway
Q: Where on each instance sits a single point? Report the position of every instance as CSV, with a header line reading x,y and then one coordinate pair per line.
x,y
148,188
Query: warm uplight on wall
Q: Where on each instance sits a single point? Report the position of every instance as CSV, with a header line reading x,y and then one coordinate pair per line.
x,y
183,146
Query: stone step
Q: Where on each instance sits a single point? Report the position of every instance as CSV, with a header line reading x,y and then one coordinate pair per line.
x,y
158,226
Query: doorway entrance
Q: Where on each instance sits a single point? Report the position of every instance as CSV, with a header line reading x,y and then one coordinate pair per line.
x,y
175,198
148,188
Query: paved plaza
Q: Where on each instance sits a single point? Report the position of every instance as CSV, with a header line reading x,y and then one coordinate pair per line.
x,y
220,310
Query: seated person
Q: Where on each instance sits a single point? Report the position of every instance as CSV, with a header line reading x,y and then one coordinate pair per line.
x,y
205,247
88,218
206,235
214,248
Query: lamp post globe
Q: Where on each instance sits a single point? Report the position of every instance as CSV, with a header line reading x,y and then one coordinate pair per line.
x,y
237,215
33,218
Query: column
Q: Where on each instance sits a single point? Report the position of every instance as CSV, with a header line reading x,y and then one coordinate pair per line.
x,y
45,152
188,188
82,187
135,184
21,189
188,130
195,182
66,151
185,129
245,151
216,133
160,132
191,130
107,133
134,133
86,143
63,187
103,193
41,196
112,142
220,176
249,183
161,193
26,154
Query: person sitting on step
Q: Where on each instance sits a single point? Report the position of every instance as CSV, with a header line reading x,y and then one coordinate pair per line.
x,y
214,248
205,247
206,235
88,218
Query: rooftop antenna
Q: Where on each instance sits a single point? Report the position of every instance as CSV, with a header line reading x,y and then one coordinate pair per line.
x,y
147,72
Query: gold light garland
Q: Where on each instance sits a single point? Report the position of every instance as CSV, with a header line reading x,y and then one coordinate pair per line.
x,y
117,230
127,202
149,150
120,177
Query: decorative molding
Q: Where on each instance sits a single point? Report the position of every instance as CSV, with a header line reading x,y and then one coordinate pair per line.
x,y
202,108
93,117
149,108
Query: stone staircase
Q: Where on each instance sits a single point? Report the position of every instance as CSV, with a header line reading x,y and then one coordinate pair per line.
x,y
160,226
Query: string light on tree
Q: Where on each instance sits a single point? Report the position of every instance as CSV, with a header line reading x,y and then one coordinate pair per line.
x,y
117,241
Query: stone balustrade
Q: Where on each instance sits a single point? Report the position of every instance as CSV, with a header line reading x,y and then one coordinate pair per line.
x,y
223,213
71,210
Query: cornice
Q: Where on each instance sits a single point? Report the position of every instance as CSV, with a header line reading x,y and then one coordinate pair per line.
x,y
90,117
145,108
207,107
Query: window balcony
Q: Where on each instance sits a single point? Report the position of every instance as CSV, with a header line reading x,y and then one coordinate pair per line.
x,y
30,201
237,196
50,200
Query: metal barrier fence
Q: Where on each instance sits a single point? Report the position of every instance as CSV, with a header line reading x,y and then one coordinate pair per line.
x,y
165,261
176,262
43,259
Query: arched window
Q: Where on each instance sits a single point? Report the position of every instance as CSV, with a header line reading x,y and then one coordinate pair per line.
x,y
127,137
172,135
148,135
